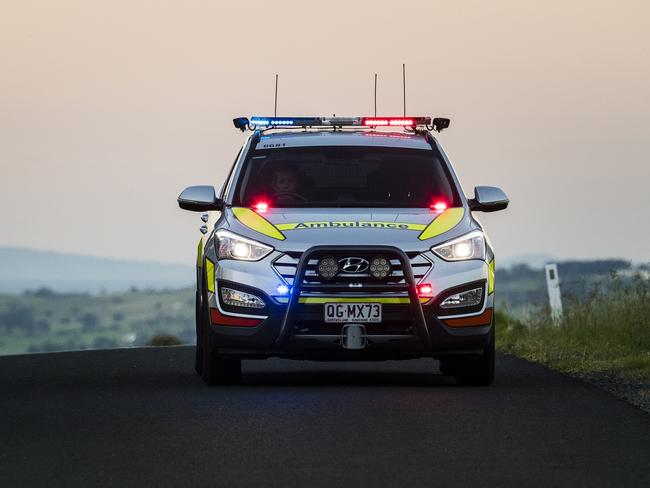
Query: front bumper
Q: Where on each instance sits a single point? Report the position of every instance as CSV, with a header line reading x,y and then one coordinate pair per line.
x,y
410,328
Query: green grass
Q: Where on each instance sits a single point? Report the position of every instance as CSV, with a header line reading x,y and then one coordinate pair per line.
x,y
602,333
44,321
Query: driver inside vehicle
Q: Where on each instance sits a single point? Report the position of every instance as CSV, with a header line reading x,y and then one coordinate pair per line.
x,y
284,184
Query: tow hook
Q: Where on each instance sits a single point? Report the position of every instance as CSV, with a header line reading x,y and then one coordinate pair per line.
x,y
354,336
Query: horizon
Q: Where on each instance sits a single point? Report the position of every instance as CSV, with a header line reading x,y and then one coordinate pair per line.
x,y
525,258
32,272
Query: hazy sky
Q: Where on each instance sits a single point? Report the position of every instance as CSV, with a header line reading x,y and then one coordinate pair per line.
x,y
109,108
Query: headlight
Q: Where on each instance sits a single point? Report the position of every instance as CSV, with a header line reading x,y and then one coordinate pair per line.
x,y
469,246
232,246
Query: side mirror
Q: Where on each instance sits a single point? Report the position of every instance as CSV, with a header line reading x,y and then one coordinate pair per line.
x,y
488,199
199,199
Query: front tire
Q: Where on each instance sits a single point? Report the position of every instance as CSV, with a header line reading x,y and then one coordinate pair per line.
x,y
472,370
213,368
218,370
198,354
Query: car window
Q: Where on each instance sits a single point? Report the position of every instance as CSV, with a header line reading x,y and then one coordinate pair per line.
x,y
340,176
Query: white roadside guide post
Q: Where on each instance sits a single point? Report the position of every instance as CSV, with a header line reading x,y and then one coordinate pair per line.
x,y
554,296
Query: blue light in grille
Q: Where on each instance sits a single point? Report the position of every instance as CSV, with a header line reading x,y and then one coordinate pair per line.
x,y
283,289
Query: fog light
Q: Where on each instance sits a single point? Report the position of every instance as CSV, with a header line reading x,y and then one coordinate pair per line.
x,y
236,298
379,267
328,267
469,298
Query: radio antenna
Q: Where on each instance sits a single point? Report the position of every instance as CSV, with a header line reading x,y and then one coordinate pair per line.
x,y
404,86
375,94
275,106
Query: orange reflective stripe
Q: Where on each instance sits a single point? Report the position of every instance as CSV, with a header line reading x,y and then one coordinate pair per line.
x,y
484,319
218,318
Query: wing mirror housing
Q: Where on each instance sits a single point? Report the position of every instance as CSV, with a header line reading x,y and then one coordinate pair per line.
x,y
488,199
200,198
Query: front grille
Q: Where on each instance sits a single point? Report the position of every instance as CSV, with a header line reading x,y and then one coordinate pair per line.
x,y
286,266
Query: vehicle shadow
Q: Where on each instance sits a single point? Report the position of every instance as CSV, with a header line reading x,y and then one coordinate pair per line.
x,y
308,373
349,378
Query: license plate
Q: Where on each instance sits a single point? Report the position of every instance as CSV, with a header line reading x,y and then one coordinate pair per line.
x,y
353,312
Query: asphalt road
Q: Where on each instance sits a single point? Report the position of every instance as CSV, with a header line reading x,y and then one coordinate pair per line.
x,y
142,417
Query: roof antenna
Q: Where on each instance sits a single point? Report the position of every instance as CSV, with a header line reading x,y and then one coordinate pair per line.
x,y
275,107
375,94
404,85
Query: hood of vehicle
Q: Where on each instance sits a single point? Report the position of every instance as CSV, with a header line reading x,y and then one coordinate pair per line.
x,y
299,228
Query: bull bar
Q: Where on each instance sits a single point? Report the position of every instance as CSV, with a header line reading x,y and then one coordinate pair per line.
x,y
421,330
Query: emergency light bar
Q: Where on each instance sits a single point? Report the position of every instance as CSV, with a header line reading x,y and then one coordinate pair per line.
x,y
276,122
258,122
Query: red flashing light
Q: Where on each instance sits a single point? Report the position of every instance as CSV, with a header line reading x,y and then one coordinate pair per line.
x,y
261,207
425,289
402,122
388,121
375,122
439,207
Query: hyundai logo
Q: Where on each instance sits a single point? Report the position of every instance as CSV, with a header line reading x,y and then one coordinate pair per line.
x,y
353,265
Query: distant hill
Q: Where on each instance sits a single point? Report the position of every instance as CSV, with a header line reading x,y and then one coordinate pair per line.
x,y
531,260
523,285
27,269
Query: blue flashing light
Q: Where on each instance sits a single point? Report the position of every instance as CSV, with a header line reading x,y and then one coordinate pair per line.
x,y
283,289
259,121
268,122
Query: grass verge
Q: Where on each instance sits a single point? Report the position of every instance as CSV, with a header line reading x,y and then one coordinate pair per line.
x,y
604,333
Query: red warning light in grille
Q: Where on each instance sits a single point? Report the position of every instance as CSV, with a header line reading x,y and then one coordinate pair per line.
x,y
425,290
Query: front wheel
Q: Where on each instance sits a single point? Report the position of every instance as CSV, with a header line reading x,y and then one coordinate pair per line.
x,y
472,370
213,368
218,370
198,317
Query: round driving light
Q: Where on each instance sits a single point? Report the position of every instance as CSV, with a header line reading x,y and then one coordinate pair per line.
x,y
379,267
462,249
328,267
241,250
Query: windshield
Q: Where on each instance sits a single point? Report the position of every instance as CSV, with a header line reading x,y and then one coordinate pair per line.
x,y
345,176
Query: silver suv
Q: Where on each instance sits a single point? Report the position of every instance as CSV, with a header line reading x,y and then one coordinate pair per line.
x,y
343,239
